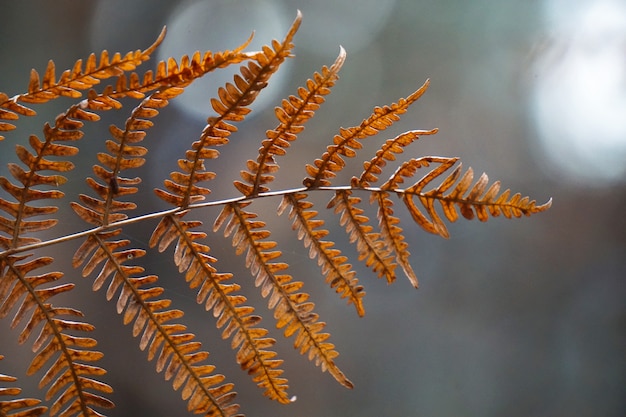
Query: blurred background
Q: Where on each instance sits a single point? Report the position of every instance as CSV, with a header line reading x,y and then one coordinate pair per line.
x,y
523,317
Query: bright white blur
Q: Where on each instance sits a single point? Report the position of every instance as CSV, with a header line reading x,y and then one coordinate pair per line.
x,y
579,98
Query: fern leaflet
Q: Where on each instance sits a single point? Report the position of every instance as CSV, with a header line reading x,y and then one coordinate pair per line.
x,y
12,407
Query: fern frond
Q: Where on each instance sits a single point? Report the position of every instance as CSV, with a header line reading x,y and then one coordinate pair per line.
x,y
179,355
292,310
237,319
338,272
171,73
124,154
65,355
66,129
292,115
193,258
176,351
78,78
70,374
232,106
392,234
18,407
387,152
347,141
71,82
81,77
477,201
369,245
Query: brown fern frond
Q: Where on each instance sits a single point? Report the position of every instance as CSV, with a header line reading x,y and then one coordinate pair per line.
x,y
392,234
477,201
170,73
192,257
70,374
371,248
71,82
387,152
338,272
66,357
347,141
18,407
237,319
292,310
124,154
292,115
78,78
66,129
232,106
175,349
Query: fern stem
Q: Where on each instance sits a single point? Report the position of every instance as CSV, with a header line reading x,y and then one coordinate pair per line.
x,y
277,193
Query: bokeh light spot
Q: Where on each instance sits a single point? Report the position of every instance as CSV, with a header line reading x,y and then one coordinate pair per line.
x,y
579,97
327,18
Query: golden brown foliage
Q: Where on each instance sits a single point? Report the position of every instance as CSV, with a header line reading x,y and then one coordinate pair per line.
x,y
63,350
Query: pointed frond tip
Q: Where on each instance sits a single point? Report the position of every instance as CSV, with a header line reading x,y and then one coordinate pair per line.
x,y
81,77
292,115
456,192
348,141
292,309
232,106
218,295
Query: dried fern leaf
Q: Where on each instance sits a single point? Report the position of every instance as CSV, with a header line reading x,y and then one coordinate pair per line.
x,y
64,353
369,245
292,115
392,234
232,106
338,272
66,129
233,316
72,81
387,152
70,376
292,310
84,77
170,73
124,153
346,143
456,191
18,407
140,303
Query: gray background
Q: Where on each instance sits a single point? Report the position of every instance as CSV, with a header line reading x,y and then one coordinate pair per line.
x,y
517,318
